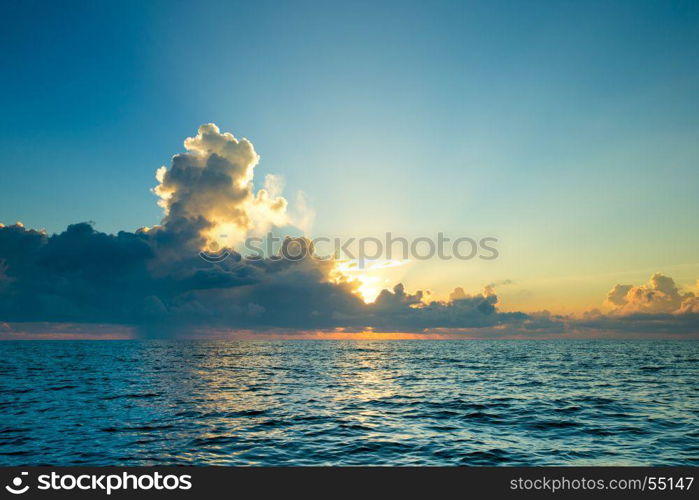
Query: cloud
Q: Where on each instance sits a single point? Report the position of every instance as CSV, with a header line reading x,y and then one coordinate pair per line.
x,y
457,294
656,308
82,275
208,191
659,295
153,282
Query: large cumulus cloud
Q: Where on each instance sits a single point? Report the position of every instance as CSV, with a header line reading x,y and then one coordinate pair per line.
x,y
209,190
658,307
660,295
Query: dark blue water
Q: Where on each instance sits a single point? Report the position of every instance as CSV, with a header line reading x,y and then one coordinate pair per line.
x,y
356,402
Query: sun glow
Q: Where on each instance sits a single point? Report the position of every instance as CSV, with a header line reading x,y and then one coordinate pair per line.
x,y
368,279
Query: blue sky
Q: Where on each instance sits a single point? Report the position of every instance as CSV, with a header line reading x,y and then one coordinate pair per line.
x,y
567,129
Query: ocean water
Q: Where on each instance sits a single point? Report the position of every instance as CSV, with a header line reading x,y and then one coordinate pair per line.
x,y
349,403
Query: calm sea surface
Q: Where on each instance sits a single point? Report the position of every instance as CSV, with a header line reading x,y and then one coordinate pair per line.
x,y
355,402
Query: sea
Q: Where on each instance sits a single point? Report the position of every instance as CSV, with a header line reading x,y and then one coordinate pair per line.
x,y
309,403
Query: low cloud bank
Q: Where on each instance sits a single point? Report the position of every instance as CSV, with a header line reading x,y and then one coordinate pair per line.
x,y
82,275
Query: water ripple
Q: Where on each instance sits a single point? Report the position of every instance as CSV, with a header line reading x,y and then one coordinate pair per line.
x,y
349,403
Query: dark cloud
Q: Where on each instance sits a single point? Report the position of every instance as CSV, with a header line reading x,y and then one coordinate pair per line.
x,y
82,275
154,281
640,324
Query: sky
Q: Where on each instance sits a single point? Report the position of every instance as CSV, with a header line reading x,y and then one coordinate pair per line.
x,y
568,130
